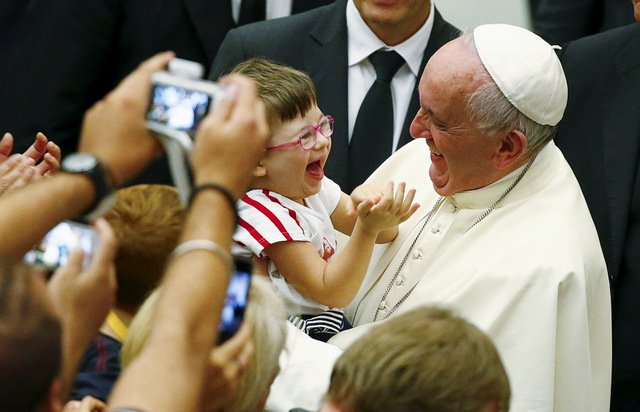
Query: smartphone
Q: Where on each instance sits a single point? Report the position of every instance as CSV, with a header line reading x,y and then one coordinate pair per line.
x,y
236,300
53,250
180,103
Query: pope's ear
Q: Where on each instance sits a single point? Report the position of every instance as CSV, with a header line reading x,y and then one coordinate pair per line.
x,y
513,146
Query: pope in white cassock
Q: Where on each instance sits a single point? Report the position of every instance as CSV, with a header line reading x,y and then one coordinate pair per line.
x,y
503,234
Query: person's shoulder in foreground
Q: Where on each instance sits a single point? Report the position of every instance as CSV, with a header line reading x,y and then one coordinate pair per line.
x,y
427,359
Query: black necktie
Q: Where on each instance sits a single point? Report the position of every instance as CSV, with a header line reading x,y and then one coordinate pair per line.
x,y
372,138
252,11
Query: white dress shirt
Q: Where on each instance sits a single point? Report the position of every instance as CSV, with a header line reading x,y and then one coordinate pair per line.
x,y
361,43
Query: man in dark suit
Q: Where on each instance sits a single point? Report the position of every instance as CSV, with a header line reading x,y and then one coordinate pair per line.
x,y
317,42
600,137
68,54
561,21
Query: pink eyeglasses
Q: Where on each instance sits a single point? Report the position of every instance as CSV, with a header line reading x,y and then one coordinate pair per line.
x,y
308,136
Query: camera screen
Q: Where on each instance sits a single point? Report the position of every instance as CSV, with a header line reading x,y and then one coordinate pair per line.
x,y
54,248
177,107
235,303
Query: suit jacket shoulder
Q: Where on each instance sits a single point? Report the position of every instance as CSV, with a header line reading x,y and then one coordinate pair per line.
x,y
600,130
277,39
559,22
623,40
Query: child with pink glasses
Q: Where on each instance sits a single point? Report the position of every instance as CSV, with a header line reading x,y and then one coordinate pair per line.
x,y
290,215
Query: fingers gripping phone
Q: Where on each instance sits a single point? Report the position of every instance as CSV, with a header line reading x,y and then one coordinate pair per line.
x,y
178,102
236,300
53,250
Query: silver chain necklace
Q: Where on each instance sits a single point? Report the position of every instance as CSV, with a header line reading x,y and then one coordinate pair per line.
x,y
382,306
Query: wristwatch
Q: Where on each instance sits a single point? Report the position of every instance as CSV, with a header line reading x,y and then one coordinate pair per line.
x,y
90,166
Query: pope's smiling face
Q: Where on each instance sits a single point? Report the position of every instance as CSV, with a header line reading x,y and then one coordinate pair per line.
x,y
461,156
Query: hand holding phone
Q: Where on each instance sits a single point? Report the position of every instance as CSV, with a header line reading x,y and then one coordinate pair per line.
x,y
236,300
179,100
53,250
225,369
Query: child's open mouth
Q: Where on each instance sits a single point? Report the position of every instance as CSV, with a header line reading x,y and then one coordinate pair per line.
x,y
315,170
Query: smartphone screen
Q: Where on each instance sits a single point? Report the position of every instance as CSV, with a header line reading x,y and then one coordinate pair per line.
x,y
53,250
236,300
178,107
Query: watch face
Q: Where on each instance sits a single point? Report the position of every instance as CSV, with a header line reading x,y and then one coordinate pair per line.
x,y
79,162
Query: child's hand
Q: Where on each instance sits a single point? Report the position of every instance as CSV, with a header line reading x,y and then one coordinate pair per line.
x,y
390,210
362,193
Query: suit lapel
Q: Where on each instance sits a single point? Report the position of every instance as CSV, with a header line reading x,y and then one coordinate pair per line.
x,y
212,20
441,33
621,144
326,61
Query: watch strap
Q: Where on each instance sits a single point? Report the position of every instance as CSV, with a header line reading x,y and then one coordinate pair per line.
x,y
102,183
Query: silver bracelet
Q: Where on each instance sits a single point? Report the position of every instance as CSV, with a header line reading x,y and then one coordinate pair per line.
x,y
203,244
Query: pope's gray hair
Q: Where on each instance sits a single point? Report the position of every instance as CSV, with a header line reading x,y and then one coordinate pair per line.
x,y
492,111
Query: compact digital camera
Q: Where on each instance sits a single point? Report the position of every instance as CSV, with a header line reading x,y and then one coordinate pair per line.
x,y
180,100
53,250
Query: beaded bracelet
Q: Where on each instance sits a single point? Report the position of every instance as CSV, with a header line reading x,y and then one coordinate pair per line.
x,y
220,189
203,244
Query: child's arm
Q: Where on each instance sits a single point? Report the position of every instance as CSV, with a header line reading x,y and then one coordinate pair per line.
x,y
335,284
344,216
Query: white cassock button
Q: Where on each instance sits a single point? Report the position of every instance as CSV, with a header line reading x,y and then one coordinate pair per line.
x,y
435,229
417,255
452,208
400,281
382,305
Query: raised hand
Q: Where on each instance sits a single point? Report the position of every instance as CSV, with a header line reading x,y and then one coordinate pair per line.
x,y
114,128
377,213
17,171
87,404
41,159
361,193
82,299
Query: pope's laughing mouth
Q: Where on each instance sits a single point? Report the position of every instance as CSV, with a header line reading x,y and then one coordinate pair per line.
x,y
435,153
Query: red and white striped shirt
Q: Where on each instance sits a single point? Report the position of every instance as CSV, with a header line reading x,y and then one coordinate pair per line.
x,y
266,217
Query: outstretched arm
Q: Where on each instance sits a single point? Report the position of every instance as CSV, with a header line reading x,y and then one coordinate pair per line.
x,y
335,283
169,373
345,215
82,300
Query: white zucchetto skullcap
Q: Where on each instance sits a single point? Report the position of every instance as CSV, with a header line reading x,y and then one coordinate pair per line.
x,y
525,68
